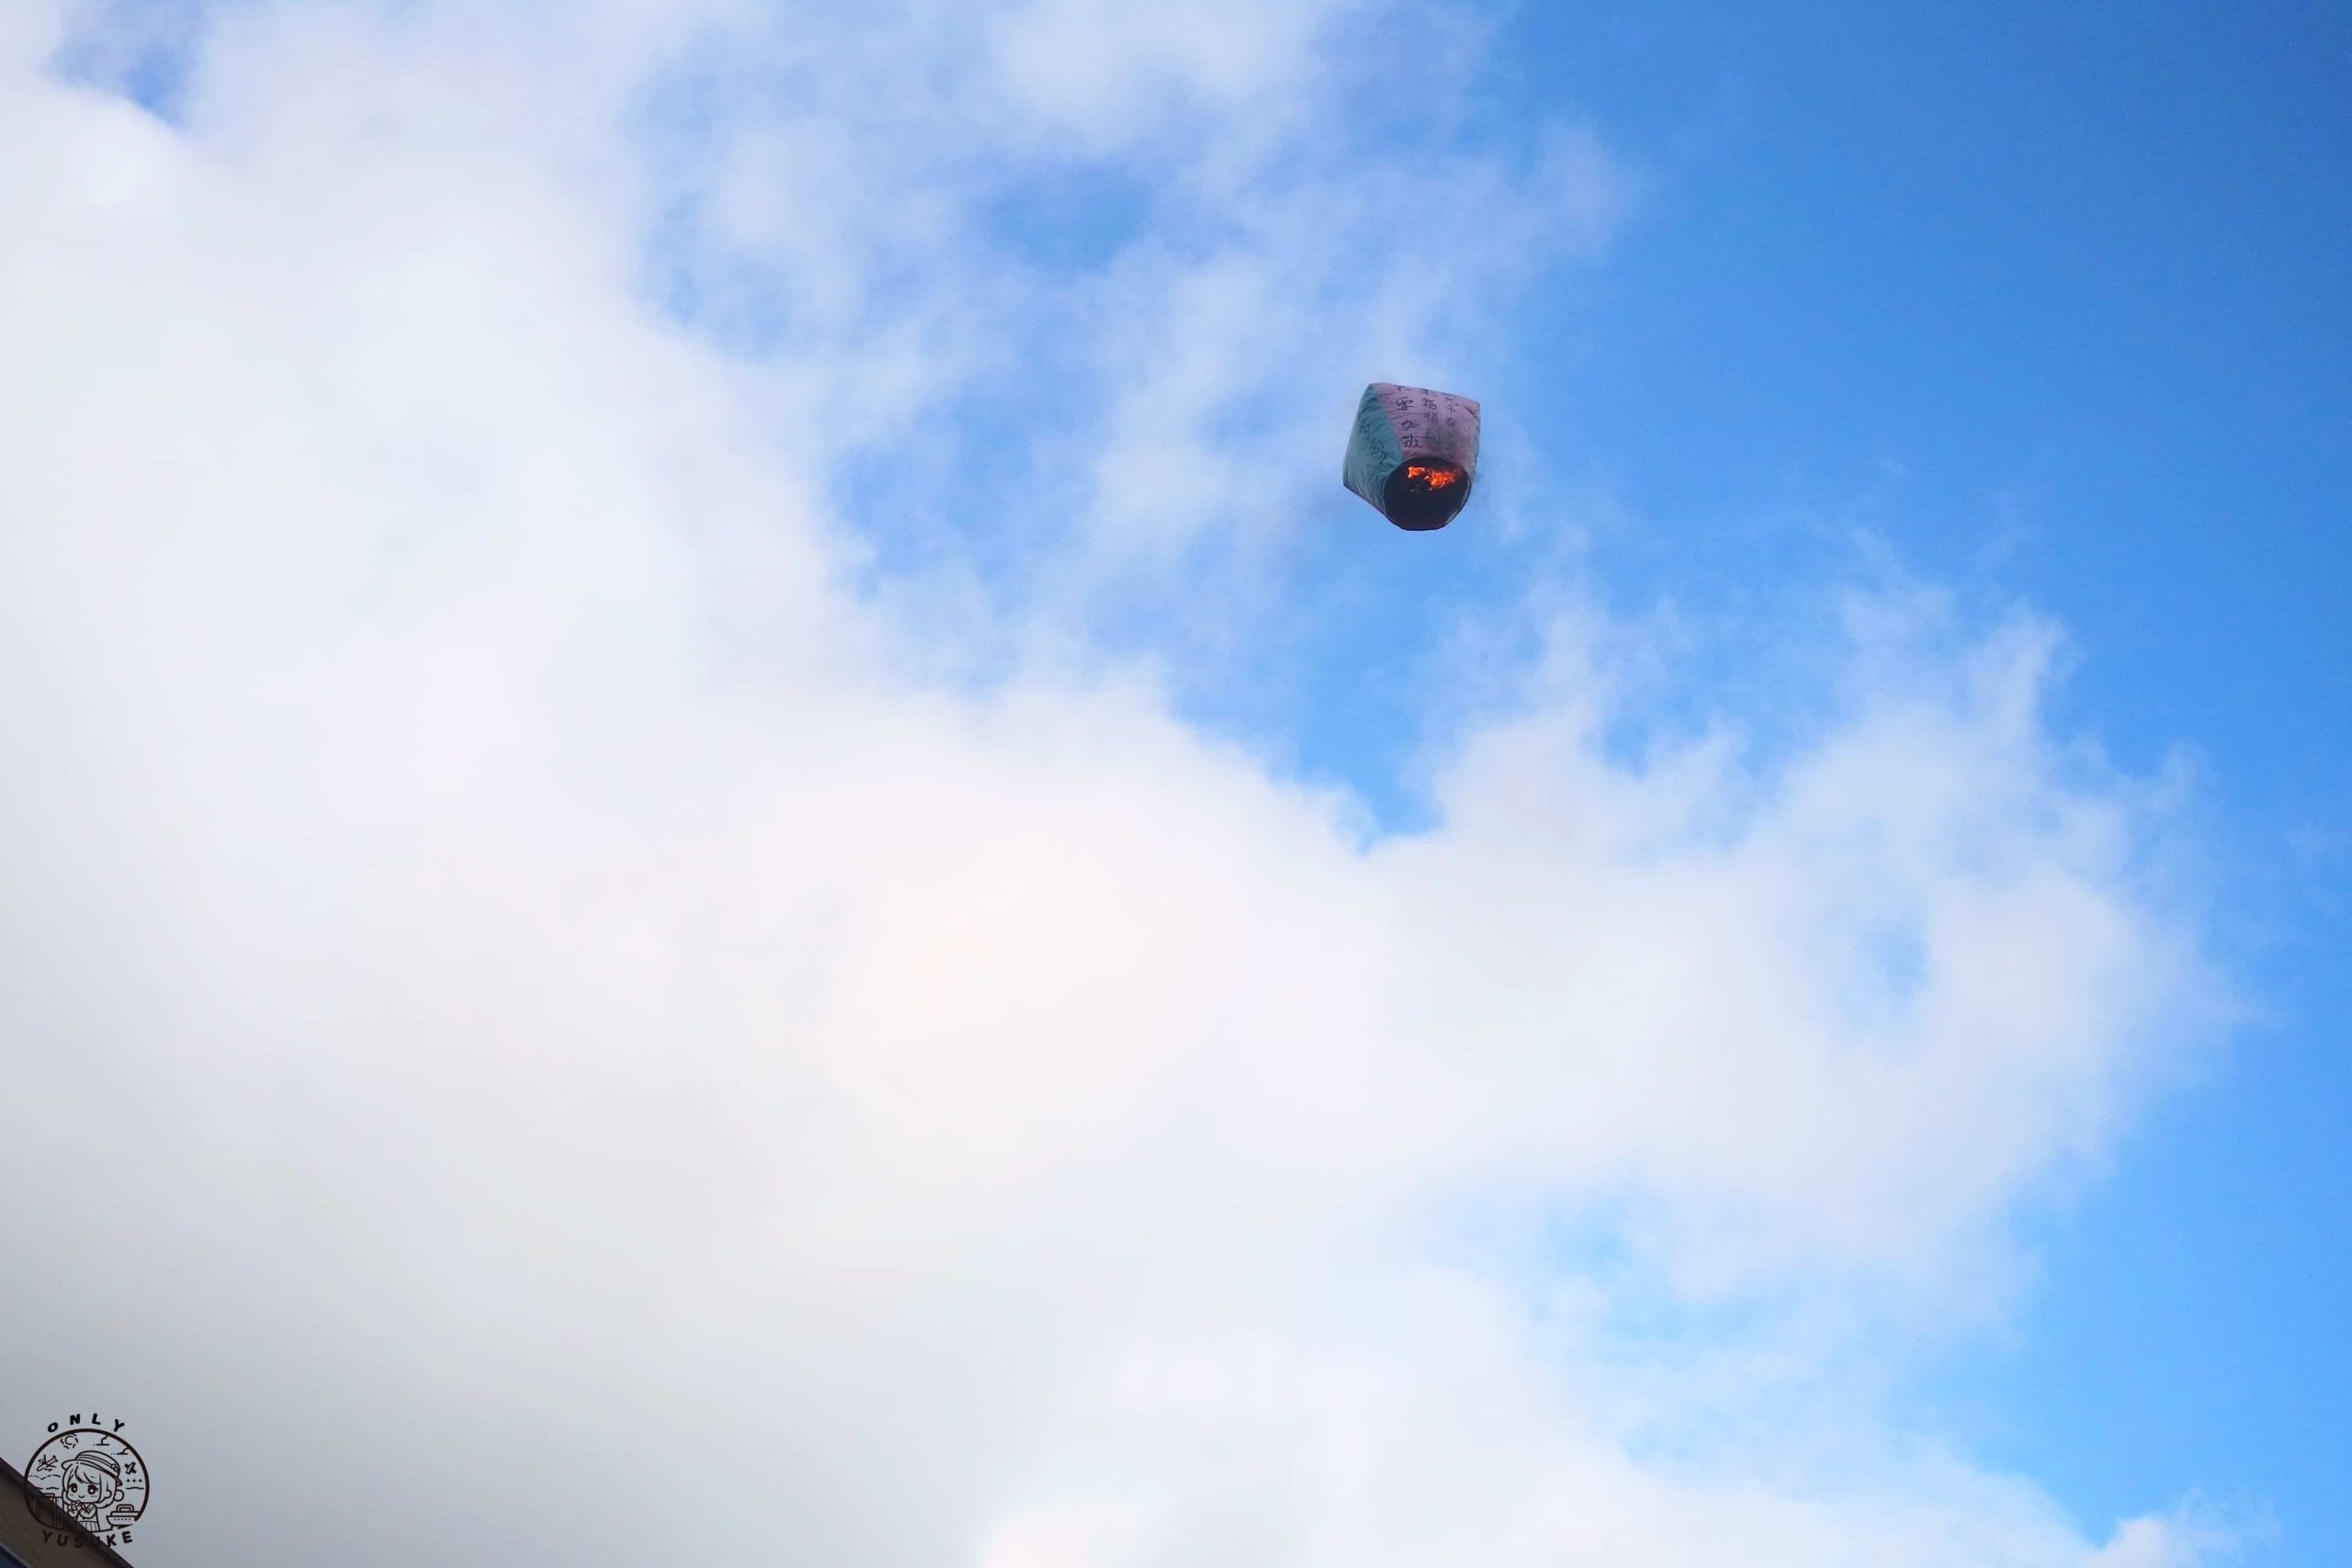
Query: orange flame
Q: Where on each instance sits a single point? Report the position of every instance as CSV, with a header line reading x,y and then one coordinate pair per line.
x,y
1436,479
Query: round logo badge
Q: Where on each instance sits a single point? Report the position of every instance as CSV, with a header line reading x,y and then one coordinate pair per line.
x,y
88,1477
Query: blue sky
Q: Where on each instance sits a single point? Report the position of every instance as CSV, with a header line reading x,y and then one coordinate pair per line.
x,y
2052,301
739,620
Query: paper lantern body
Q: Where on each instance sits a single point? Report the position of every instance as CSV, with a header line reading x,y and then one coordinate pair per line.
x,y
1414,454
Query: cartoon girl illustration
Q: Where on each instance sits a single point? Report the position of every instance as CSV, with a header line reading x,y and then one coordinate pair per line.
x,y
88,1487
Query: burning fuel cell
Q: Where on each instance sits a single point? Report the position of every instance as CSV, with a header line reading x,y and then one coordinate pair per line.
x,y
1414,454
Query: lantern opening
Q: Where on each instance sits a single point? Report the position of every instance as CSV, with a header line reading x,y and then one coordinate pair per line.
x,y
1426,493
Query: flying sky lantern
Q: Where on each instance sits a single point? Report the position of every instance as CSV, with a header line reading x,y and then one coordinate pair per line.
x,y
1414,454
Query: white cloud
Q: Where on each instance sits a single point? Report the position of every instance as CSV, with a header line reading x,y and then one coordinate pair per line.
x,y
1100,69
543,1037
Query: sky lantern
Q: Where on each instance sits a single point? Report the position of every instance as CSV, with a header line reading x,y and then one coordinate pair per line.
x,y
1414,454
